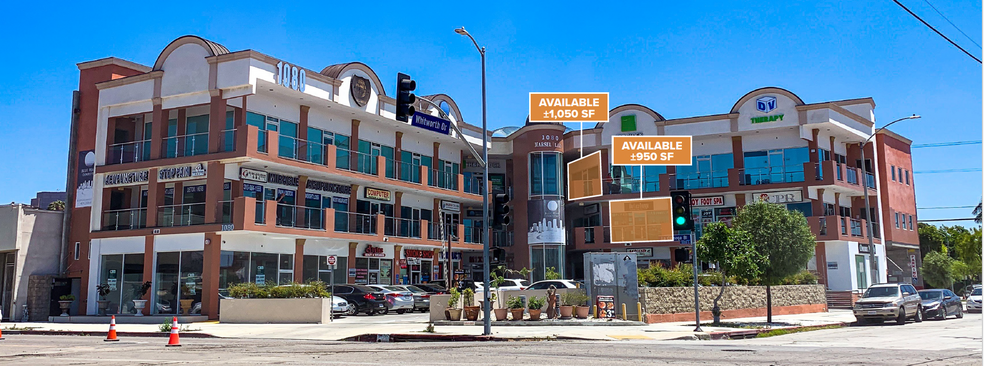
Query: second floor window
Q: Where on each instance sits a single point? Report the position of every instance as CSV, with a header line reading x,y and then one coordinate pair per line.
x,y
705,171
775,166
545,173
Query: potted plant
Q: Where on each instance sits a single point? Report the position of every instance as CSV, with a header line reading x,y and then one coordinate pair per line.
x,y
567,303
102,290
536,303
453,312
185,301
65,302
497,280
471,311
515,305
140,303
578,299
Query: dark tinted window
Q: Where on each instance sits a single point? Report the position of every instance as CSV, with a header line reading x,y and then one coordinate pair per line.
x,y
363,289
977,292
931,295
881,292
343,290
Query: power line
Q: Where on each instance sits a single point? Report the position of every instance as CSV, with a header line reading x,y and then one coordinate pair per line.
x,y
951,23
938,32
942,220
964,170
945,144
943,207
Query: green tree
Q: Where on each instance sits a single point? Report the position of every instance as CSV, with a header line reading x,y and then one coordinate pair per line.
x,y
735,254
968,251
57,206
937,270
977,213
782,236
931,239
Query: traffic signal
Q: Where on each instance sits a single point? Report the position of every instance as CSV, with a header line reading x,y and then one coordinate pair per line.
x,y
497,255
681,255
682,219
500,210
404,97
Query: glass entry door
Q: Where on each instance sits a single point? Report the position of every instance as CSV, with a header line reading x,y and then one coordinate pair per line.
x,y
178,283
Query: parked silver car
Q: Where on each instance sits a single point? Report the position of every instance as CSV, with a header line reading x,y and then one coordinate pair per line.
x,y
341,307
898,301
400,300
974,301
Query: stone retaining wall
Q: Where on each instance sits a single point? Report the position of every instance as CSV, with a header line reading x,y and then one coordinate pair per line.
x,y
738,301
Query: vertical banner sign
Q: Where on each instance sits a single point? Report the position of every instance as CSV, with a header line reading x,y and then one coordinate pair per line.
x,y
86,169
584,177
643,219
606,307
651,150
546,221
568,107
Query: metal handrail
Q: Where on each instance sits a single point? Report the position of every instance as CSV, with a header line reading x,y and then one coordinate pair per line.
x,y
227,140
442,179
180,151
706,179
181,215
354,222
118,153
301,217
363,163
113,216
406,171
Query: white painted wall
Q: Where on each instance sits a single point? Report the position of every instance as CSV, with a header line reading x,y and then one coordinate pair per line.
x,y
185,70
269,105
179,242
772,139
712,145
129,93
345,95
261,243
325,247
700,128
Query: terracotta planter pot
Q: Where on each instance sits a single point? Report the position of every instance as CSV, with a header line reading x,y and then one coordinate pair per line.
x,y
471,313
582,312
103,305
566,311
501,314
534,314
185,305
65,306
517,314
454,314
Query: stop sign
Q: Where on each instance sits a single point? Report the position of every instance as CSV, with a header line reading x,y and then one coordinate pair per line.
x,y
331,260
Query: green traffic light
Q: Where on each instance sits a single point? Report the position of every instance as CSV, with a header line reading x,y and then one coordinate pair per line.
x,y
680,220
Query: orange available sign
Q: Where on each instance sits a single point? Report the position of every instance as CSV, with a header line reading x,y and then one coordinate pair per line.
x,y
584,177
651,150
641,219
568,107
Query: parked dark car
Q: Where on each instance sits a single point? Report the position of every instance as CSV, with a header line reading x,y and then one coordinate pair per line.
x,y
940,304
366,299
432,288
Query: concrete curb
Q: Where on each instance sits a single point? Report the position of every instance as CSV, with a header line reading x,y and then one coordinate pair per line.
x,y
752,333
542,323
374,338
103,334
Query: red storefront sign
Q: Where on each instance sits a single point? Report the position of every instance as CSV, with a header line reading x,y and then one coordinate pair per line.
x,y
707,201
372,251
416,253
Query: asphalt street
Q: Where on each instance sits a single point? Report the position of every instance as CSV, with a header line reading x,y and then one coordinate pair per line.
x,y
949,342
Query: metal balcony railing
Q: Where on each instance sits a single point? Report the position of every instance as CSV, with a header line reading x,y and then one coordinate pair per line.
x,y
185,145
300,217
181,215
128,152
124,219
356,223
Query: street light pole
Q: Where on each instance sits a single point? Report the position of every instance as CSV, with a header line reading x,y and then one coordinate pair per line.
x,y
487,305
867,206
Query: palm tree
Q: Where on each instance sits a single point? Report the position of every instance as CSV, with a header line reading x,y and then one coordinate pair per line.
x,y
977,213
57,206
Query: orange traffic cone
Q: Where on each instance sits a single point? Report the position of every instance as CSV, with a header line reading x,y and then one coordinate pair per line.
x,y
111,336
1,333
173,341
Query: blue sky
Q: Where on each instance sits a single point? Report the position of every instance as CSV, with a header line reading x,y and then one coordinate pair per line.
x,y
680,59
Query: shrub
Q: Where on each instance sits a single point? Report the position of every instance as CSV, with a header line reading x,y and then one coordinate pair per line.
x,y
551,274
469,297
515,302
574,298
536,302
455,297
288,291
804,277
67,298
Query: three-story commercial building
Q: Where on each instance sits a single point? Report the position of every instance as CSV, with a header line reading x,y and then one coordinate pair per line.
x,y
214,167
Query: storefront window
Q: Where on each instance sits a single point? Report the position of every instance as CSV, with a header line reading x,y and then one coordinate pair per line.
x,y
178,285
629,179
705,171
775,166
233,268
316,269
546,256
545,172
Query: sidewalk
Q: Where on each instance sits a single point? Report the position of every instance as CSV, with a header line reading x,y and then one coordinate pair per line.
x,y
355,326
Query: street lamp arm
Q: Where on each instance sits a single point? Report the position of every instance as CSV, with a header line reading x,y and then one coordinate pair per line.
x,y
886,126
460,135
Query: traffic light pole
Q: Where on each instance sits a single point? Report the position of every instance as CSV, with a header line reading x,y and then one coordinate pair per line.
x,y
696,292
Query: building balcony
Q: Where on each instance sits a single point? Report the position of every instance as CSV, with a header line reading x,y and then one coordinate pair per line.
x,y
841,228
348,165
830,173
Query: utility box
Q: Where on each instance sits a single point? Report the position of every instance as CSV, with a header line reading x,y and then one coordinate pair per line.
x,y
613,274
